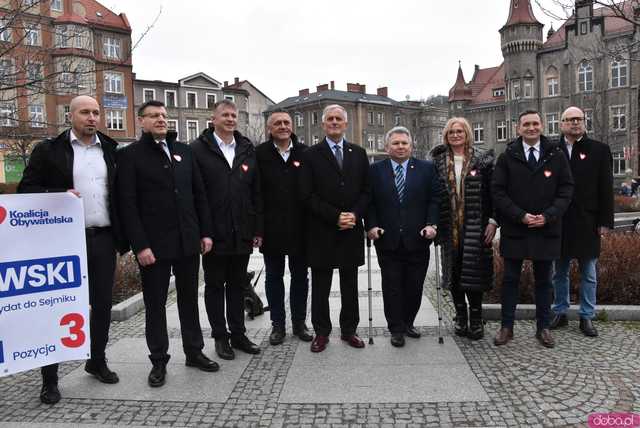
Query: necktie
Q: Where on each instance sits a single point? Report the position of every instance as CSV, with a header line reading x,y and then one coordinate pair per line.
x,y
338,155
400,182
532,158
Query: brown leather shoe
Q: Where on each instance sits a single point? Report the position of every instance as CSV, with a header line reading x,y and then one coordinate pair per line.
x,y
504,336
353,341
319,343
545,338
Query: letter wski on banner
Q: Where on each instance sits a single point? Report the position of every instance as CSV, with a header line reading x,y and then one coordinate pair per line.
x,y
44,298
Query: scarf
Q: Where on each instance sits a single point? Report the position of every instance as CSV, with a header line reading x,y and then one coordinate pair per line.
x,y
457,200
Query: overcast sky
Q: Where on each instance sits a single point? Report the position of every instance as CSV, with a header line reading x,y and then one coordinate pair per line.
x,y
281,46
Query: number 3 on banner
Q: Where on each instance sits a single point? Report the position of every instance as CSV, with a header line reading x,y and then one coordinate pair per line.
x,y
75,322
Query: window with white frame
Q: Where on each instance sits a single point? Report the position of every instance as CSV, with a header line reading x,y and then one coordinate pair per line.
x,y
192,100
81,38
618,73
498,92
380,119
315,139
230,98
192,130
61,38
66,110
56,5
618,118
7,114
314,118
114,119
515,90
619,163
5,31
34,75
553,124
396,120
501,130
148,95
528,88
478,133
370,118
29,3
170,98
32,35
172,125
211,101
7,74
371,141
210,124
585,77
36,116
299,121
380,142
553,87
111,47
113,82
588,120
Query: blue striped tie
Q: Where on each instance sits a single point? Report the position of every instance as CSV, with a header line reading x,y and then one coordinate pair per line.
x,y
400,182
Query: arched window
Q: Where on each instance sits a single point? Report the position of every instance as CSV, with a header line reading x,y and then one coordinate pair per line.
x,y
552,82
585,77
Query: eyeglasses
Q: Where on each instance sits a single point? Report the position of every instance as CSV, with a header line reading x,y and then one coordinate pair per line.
x,y
455,132
573,119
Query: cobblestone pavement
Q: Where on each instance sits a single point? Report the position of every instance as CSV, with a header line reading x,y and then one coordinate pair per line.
x,y
527,385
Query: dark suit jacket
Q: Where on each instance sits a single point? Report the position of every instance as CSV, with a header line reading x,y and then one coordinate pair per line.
x,y
233,193
402,222
592,203
50,169
284,214
162,202
327,190
517,190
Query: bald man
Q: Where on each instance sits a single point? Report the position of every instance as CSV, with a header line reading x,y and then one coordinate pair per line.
x,y
81,161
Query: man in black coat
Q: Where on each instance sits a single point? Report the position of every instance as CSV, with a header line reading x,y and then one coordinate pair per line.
x,y
279,161
335,188
166,219
229,169
82,161
532,188
402,220
589,215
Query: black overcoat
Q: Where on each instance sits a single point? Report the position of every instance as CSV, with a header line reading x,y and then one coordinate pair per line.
x,y
50,169
284,214
402,222
327,190
162,201
233,192
477,258
592,203
517,190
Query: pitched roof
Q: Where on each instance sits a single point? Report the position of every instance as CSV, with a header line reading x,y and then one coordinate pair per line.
x,y
96,14
521,12
612,25
239,86
460,91
334,96
484,82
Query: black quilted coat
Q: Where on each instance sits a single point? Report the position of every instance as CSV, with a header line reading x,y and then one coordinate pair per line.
x,y
477,258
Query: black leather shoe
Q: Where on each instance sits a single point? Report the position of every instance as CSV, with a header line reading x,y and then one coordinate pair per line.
x,y
245,345
157,375
277,335
413,332
476,329
101,371
545,338
203,363
223,349
559,320
397,340
587,328
50,393
302,332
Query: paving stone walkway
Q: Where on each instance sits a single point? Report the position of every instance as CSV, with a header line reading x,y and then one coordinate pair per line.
x,y
425,384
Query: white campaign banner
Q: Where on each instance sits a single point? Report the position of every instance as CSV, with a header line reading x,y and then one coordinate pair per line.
x,y
44,285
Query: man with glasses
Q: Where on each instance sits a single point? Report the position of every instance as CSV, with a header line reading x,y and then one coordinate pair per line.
x,y
167,222
588,216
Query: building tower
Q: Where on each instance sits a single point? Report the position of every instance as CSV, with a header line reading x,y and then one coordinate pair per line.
x,y
459,95
521,38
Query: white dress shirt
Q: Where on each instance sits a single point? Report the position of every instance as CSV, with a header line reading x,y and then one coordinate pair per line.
x,y
90,179
165,147
286,153
228,150
536,151
569,146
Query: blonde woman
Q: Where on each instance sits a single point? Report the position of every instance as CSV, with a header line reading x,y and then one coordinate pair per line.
x,y
466,227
